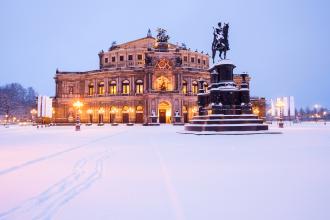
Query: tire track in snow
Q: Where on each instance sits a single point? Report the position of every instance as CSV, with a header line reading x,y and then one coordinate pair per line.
x,y
53,155
45,205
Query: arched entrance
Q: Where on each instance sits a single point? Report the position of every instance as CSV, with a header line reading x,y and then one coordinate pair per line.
x,y
164,112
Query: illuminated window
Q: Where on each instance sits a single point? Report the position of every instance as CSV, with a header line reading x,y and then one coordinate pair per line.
x,y
139,108
205,86
139,56
184,87
139,87
195,87
100,88
91,89
113,87
126,88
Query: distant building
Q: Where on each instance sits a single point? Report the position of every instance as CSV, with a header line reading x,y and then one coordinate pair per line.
x,y
135,80
288,109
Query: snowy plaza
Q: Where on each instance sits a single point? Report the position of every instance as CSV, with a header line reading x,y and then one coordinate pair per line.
x,y
142,172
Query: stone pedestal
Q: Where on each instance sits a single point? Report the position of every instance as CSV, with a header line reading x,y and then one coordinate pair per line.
x,y
229,105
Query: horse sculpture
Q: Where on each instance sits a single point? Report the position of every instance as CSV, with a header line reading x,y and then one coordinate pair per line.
x,y
220,41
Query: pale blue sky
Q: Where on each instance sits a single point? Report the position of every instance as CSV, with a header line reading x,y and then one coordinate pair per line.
x,y
283,45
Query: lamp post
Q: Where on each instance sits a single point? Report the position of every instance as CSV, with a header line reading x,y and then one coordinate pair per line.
x,y
77,105
318,113
6,122
280,105
325,117
33,114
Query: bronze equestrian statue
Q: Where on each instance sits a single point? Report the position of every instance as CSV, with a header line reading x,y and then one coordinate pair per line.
x,y
220,40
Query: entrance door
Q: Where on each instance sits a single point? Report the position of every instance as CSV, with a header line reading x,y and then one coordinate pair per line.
x,y
125,118
162,115
139,118
185,117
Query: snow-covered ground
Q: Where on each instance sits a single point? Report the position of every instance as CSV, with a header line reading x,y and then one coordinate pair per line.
x,y
156,173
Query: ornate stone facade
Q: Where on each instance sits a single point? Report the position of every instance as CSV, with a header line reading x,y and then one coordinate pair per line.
x,y
135,80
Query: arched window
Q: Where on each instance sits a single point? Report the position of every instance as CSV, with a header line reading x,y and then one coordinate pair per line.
x,y
113,87
91,88
139,86
194,87
125,86
184,87
139,108
100,88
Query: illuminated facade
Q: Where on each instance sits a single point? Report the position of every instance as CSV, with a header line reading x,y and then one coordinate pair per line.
x,y
135,80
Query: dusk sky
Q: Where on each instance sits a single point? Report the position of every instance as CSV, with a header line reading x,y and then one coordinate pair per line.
x,y
283,45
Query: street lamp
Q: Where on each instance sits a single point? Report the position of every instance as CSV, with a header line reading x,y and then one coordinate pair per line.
x,y
6,123
33,115
280,105
325,117
78,104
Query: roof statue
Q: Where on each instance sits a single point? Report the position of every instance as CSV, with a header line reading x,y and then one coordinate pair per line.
x,y
220,40
162,36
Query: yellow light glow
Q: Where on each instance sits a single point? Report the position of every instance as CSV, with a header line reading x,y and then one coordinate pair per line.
x,y
130,109
168,113
279,104
89,111
194,109
101,111
256,111
78,104
33,112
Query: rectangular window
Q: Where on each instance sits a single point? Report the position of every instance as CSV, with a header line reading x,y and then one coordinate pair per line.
x,y
106,60
198,61
204,62
121,58
113,59
192,59
130,57
139,56
185,59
